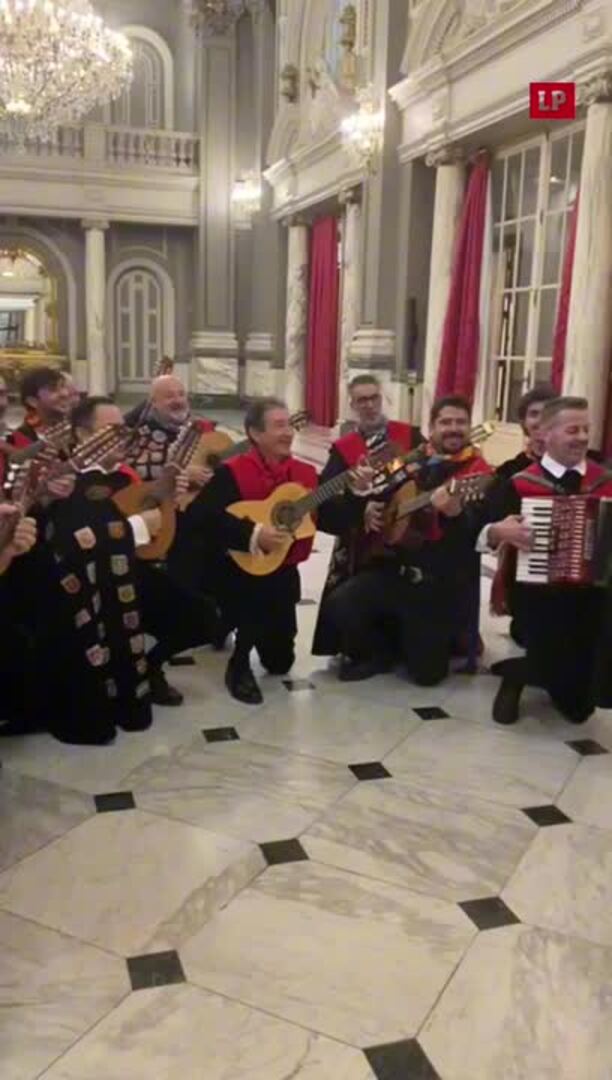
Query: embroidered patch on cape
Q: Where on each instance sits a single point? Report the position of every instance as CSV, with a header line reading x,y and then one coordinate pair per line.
x,y
85,538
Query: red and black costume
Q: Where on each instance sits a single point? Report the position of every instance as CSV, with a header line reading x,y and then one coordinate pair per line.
x,y
563,625
342,517
77,603
262,609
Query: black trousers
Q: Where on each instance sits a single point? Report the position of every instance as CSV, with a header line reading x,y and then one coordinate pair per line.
x,y
263,612
176,618
561,628
380,605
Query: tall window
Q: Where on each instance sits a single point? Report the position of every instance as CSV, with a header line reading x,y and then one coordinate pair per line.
x,y
533,188
138,325
142,103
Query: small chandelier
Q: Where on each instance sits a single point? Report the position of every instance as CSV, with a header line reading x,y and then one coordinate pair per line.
x,y
363,129
210,17
57,62
247,194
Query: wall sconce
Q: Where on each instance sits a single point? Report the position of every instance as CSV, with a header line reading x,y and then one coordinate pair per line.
x,y
247,195
363,130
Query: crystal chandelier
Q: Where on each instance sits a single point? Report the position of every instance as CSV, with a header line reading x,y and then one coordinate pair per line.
x,y
219,16
57,62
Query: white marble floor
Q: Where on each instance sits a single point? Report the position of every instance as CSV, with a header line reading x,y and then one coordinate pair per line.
x,y
230,897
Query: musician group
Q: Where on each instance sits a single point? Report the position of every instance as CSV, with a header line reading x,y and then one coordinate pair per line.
x,y
126,541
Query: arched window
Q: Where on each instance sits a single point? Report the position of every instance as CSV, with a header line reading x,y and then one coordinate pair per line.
x,y
149,101
142,103
139,324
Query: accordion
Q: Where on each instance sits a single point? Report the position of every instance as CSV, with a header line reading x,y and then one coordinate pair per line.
x,y
572,541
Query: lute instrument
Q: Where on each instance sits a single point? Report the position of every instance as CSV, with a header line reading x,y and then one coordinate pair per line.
x,y
160,494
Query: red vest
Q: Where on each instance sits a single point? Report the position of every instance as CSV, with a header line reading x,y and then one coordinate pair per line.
x,y
596,482
257,479
352,447
206,425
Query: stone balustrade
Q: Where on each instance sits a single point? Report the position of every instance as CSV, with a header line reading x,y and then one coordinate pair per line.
x,y
116,146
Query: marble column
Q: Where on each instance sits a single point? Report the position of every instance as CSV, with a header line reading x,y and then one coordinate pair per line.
x,y
29,326
40,332
297,316
214,375
351,288
95,303
589,333
450,190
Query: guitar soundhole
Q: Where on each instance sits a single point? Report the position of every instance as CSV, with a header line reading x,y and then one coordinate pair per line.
x,y
285,517
213,461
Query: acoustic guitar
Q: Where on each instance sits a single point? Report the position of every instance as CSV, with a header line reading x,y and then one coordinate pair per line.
x,y
160,494
407,501
289,509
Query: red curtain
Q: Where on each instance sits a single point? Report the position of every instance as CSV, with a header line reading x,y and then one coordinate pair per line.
x,y
461,337
558,361
322,354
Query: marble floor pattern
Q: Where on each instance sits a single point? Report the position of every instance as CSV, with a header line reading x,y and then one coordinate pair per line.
x,y
362,882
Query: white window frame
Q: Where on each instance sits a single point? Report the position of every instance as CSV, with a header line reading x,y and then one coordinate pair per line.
x,y
531,358
158,43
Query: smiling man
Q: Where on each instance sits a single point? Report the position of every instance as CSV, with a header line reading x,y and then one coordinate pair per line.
x,y
562,623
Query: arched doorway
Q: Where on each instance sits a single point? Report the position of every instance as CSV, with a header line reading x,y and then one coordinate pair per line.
x,y
142,316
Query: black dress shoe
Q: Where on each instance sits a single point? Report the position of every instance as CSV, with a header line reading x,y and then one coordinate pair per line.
x,y
241,683
506,704
161,691
358,670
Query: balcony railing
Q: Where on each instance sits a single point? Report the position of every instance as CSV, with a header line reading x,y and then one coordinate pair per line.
x,y
99,145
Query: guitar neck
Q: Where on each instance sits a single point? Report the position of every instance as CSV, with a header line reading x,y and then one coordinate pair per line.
x,y
232,451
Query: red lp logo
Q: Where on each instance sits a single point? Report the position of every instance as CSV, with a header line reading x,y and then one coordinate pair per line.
x,y
552,101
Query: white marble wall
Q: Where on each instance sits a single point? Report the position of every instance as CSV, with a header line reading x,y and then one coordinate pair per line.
x,y
261,379
216,375
589,334
297,317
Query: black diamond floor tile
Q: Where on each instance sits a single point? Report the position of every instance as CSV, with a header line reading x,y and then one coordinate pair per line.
x,y
182,661
432,712
220,734
115,800
546,815
586,747
370,770
400,1061
298,684
156,969
489,913
277,852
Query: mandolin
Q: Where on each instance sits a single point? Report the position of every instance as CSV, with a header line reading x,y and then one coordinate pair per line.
x,y
57,436
290,509
29,481
160,494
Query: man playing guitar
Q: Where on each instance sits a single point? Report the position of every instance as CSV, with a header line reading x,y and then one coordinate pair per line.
x,y
261,608
403,601
345,516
